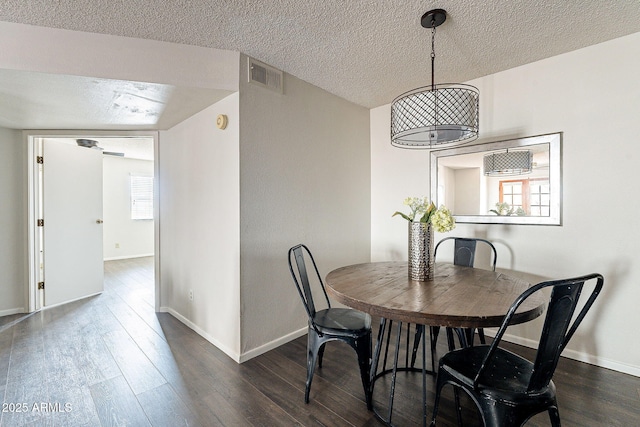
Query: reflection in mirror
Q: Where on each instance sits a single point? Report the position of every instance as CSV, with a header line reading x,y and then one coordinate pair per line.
x,y
511,182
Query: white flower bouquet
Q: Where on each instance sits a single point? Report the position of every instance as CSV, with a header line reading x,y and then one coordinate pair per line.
x,y
423,210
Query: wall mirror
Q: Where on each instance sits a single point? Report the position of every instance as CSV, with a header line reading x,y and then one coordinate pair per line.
x,y
516,181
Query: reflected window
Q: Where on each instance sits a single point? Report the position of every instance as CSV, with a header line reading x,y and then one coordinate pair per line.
x,y
511,193
528,197
539,198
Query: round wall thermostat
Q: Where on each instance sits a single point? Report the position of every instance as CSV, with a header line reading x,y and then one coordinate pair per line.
x,y
221,121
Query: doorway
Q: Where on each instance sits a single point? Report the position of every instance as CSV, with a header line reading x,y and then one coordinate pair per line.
x,y
61,269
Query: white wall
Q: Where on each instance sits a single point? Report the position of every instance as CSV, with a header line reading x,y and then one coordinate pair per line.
x,y
395,175
200,224
593,96
289,168
305,168
467,196
50,50
12,225
134,237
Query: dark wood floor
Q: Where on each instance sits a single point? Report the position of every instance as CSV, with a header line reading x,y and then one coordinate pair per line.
x,y
110,360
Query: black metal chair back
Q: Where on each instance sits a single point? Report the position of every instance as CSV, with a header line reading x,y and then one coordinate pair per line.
x,y
558,328
507,388
465,250
303,286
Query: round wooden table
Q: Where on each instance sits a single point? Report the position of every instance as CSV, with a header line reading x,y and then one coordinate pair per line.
x,y
457,297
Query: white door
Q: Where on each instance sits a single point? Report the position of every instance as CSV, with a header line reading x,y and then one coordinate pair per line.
x,y
72,208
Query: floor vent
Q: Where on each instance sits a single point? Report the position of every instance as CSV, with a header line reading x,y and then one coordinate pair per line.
x,y
264,75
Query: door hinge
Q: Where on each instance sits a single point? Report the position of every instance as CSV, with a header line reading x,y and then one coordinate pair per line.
x,y
41,223
40,285
40,160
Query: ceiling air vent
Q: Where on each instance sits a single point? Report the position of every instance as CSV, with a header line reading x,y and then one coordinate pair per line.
x,y
263,75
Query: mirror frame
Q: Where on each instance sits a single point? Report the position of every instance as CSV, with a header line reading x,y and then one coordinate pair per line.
x,y
555,178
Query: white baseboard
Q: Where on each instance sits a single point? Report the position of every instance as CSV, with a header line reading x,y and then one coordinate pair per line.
x,y
576,355
229,352
11,311
273,344
116,258
238,358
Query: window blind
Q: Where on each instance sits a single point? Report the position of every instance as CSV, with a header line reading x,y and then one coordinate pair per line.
x,y
141,197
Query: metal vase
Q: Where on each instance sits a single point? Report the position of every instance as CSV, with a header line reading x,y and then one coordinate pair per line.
x,y
421,263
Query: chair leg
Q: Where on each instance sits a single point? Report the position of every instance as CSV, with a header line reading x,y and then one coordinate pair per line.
x,y
320,354
435,331
442,379
481,336
462,337
362,346
450,341
500,414
554,416
312,354
469,334
456,398
436,403
315,350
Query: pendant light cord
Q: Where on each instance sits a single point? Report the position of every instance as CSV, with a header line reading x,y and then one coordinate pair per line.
x,y
433,134
433,53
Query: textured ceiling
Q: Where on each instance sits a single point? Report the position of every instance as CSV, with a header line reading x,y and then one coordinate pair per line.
x,y
366,51
49,101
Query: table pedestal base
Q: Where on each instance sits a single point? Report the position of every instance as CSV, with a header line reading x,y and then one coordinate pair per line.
x,y
386,325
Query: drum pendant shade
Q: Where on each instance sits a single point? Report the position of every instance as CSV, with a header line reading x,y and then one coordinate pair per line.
x,y
435,116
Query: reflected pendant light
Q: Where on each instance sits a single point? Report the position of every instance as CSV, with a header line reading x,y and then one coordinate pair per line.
x,y
508,163
435,116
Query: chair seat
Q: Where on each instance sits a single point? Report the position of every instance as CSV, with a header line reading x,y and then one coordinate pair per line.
x,y
510,373
341,320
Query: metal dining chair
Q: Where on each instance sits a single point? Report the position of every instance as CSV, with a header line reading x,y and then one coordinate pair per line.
x,y
464,254
507,388
329,324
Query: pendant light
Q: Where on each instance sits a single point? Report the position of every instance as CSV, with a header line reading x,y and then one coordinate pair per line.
x,y
517,162
435,116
